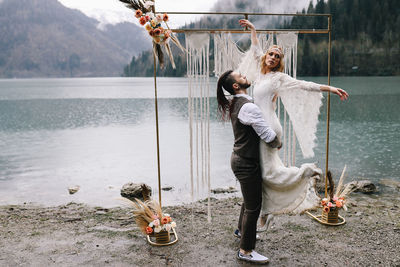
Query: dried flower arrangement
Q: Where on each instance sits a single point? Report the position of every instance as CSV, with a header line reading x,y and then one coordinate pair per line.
x,y
336,200
144,12
153,222
150,218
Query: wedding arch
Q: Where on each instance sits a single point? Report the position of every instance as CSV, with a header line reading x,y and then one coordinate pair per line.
x,y
227,56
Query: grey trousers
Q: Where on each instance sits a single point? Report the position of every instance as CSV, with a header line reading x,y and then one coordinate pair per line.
x,y
248,173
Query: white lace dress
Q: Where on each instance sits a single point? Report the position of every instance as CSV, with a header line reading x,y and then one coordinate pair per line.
x,y
288,189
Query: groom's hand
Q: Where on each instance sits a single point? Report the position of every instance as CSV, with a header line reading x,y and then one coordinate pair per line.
x,y
280,146
276,143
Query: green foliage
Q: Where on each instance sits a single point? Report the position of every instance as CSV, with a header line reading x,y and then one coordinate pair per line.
x,y
365,40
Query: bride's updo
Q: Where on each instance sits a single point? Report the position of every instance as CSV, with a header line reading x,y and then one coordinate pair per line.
x,y
281,64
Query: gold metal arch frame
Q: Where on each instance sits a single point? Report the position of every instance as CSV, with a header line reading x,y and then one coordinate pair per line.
x,y
245,15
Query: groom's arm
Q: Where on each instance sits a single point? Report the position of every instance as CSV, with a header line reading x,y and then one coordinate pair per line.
x,y
250,114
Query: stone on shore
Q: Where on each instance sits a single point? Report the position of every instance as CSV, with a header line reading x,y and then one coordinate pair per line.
x,y
135,190
167,188
363,186
224,190
73,189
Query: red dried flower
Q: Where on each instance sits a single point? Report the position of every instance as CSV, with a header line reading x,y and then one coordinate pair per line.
x,y
147,17
138,13
157,31
151,33
149,230
326,209
165,17
164,220
142,20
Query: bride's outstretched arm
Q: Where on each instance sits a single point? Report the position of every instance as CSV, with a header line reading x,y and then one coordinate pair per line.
x,y
248,24
288,82
337,91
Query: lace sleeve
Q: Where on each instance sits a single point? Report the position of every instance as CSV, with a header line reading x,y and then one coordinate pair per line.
x,y
250,63
256,51
303,109
288,83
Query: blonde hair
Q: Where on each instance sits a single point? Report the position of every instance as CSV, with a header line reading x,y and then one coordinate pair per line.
x,y
278,67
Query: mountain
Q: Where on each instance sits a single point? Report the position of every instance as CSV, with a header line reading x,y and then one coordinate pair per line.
x,y
43,38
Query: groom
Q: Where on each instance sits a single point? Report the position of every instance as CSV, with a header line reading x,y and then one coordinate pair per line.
x,y
248,128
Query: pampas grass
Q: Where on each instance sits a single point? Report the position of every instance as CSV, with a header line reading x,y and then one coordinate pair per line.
x,y
344,192
347,190
145,212
331,186
341,180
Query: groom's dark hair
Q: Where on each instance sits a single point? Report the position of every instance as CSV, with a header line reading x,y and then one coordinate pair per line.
x,y
225,81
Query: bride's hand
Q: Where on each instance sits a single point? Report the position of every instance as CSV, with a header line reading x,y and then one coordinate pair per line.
x,y
245,23
340,92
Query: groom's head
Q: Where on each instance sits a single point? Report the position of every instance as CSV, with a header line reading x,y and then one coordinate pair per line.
x,y
233,82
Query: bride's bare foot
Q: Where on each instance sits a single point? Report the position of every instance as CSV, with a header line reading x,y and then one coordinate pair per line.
x,y
265,222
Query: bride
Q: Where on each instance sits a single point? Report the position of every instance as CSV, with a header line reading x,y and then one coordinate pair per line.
x,y
285,189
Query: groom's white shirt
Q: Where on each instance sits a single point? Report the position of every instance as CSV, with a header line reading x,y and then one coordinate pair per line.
x,y
250,114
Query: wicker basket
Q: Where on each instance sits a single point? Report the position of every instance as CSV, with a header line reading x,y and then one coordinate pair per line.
x,y
330,217
163,237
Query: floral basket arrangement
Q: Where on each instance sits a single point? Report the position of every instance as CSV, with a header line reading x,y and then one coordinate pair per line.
x,y
144,12
152,221
330,208
335,200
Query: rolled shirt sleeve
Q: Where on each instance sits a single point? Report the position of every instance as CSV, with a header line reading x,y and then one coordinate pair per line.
x,y
251,115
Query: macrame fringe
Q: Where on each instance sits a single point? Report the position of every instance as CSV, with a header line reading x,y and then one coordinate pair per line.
x,y
197,47
288,43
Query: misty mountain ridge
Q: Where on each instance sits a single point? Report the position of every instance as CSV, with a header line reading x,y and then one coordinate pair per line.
x,y
43,38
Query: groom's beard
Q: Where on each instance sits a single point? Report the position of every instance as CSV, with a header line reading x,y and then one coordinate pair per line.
x,y
244,85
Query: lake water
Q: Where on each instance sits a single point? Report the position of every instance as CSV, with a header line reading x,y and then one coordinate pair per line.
x,y
99,133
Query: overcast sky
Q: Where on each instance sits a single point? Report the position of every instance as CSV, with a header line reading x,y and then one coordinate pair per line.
x,y
113,11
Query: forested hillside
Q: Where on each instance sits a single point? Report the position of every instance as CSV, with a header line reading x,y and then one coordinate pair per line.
x,y
365,39
365,34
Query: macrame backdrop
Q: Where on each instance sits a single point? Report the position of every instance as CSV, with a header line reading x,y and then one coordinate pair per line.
x,y
198,72
227,55
288,42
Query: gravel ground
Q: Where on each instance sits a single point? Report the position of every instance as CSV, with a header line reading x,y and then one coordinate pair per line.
x,y
78,235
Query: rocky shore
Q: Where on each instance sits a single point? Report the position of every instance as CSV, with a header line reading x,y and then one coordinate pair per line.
x,y
78,235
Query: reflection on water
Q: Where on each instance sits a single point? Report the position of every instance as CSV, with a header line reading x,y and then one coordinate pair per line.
x,y
99,133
